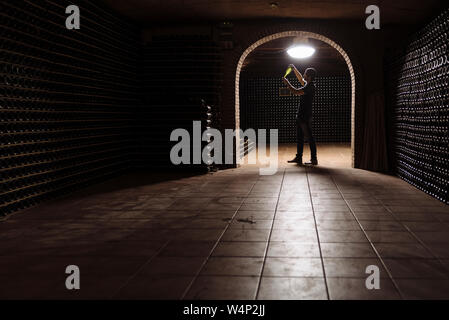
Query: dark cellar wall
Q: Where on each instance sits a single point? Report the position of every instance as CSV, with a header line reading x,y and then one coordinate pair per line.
x,y
262,107
68,99
418,103
179,72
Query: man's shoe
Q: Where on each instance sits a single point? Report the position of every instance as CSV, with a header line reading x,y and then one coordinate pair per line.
x,y
296,160
313,162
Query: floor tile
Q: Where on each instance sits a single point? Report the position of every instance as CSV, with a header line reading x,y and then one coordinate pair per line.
x,y
347,250
355,289
391,236
294,224
433,236
402,250
338,225
187,249
160,287
381,226
351,267
292,289
293,267
196,234
294,235
300,215
233,266
426,226
424,288
255,215
416,268
180,266
223,288
331,215
363,216
439,250
291,249
246,235
257,206
250,224
342,236
240,249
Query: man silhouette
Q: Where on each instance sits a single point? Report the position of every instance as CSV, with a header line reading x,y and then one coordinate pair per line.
x,y
304,113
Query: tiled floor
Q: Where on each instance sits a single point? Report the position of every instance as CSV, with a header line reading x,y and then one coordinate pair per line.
x,y
303,233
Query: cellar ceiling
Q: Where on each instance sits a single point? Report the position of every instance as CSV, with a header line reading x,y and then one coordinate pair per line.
x,y
169,11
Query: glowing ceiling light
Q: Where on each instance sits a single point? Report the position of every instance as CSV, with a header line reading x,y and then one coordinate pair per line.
x,y
301,51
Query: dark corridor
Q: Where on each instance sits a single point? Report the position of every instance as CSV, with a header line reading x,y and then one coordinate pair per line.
x,y
95,95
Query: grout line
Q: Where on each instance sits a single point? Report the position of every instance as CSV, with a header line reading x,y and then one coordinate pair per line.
x,y
115,293
317,235
412,233
269,236
189,286
149,260
370,242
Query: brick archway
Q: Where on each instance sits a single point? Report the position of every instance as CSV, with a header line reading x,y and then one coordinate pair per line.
x,y
294,34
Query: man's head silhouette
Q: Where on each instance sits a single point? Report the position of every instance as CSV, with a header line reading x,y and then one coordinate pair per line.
x,y
309,74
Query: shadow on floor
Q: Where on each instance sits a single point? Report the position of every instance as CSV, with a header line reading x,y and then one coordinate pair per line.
x,y
137,178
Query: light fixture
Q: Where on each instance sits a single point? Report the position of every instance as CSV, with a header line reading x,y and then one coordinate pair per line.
x,y
301,48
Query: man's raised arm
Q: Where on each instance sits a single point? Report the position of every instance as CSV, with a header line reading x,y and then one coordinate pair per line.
x,y
292,89
298,75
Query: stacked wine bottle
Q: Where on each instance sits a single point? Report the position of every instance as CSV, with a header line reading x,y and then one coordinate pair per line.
x,y
68,99
419,73
265,105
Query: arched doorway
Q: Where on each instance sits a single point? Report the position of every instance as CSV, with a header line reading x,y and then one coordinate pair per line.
x,y
293,34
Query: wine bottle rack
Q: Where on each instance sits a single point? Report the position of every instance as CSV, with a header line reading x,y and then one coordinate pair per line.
x,y
264,106
68,99
418,74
